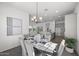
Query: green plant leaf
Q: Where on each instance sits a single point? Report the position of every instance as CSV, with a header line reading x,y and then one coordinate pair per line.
x,y
70,42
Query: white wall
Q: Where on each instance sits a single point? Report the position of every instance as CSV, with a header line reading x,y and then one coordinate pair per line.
x,y
7,42
71,26
77,13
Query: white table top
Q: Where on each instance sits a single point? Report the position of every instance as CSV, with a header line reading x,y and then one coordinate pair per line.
x,y
49,47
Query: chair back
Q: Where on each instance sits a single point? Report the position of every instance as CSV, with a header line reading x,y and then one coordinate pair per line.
x,y
61,48
23,47
29,48
37,37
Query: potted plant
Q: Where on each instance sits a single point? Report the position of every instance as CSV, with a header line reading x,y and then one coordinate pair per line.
x,y
70,44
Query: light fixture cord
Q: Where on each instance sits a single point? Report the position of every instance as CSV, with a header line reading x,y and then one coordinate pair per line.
x,y
37,11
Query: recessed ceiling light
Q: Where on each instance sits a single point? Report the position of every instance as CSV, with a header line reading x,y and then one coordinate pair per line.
x,y
57,11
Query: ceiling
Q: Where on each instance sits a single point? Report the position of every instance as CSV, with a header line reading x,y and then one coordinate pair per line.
x,y
48,10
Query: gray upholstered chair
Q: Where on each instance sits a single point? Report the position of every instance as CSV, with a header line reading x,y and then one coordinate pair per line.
x,y
29,48
61,48
23,47
37,37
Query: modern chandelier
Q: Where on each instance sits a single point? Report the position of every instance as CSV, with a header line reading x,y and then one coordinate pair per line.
x,y
36,18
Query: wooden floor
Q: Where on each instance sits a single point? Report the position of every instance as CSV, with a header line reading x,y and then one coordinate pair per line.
x,y
57,39
17,51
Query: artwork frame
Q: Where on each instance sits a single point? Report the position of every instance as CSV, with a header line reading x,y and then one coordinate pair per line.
x,y
14,26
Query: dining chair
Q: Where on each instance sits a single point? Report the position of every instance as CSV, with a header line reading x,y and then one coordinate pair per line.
x,y
22,46
37,37
48,37
61,48
29,48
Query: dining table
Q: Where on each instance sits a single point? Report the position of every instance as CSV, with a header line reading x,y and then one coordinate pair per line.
x,y
46,47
